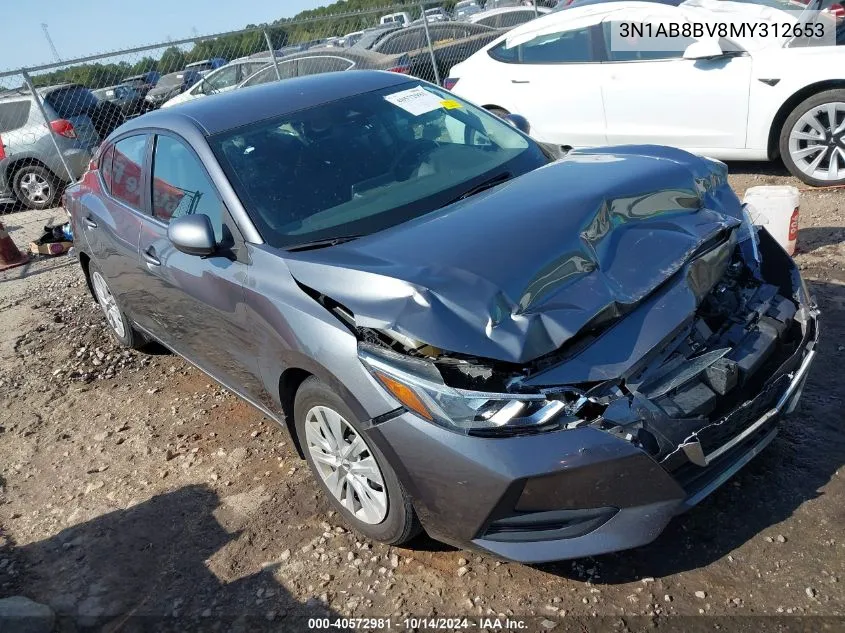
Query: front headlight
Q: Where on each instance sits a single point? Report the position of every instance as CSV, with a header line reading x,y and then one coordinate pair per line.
x,y
418,386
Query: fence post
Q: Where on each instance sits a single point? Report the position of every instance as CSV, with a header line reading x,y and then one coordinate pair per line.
x,y
536,9
430,46
37,98
272,54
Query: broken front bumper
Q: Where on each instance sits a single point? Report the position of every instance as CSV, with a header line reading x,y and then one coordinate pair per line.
x,y
572,493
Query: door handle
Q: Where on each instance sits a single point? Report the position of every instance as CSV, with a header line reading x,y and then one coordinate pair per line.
x,y
150,257
520,81
89,222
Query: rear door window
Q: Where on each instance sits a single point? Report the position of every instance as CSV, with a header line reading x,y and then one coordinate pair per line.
x,y
13,115
565,47
631,49
317,65
127,169
223,78
71,102
286,70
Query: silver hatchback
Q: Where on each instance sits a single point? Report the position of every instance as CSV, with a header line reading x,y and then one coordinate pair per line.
x,y
31,170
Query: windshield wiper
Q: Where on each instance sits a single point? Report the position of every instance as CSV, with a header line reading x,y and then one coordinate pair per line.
x,y
323,243
487,184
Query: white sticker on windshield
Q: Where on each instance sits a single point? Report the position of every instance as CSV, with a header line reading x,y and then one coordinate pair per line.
x,y
417,101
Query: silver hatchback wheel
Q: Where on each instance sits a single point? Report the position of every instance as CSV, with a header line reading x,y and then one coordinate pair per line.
x,y
345,463
36,188
108,304
817,142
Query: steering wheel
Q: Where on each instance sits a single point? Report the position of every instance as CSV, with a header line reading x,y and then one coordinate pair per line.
x,y
412,157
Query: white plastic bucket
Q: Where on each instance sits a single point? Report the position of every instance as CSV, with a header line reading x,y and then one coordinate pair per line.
x,y
776,209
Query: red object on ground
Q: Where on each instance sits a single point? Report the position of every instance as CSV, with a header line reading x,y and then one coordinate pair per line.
x,y
10,256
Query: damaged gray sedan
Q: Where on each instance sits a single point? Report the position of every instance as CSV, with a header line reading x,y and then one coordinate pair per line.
x,y
535,356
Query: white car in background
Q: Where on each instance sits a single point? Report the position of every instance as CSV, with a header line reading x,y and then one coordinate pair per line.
x,y
752,99
464,9
403,18
507,17
223,79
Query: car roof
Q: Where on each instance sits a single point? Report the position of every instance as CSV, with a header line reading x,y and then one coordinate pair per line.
x,y
490,12
241,107
23,91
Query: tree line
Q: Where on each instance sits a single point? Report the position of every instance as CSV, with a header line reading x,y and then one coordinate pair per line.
x,y
336,19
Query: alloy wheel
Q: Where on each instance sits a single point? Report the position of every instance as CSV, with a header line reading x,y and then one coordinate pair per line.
x,y
345,463
108,304
36,188
817,142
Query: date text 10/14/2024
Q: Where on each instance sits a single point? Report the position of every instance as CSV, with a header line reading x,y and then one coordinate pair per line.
x,y
421,623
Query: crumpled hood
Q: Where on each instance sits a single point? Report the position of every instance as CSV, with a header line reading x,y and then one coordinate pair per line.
x,y
513,273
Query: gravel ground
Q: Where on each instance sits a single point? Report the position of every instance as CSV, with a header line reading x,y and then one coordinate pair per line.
x,y
132,486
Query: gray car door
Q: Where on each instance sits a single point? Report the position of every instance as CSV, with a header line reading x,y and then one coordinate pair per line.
x,y
195,305
111,223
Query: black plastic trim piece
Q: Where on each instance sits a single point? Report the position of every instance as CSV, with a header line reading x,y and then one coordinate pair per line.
x,y
548,526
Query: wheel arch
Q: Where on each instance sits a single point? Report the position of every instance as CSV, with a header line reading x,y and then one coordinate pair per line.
x,y
296,369
85,263
289,383
17,164
789,105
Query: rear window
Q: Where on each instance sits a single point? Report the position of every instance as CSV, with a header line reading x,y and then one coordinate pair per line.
x,y
71,102
13,115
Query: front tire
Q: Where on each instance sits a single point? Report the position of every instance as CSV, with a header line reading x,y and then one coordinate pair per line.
x,y
353,474
36,187
812,141
117,324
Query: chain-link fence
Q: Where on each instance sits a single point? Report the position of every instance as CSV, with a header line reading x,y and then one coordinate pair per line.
x,y
52,117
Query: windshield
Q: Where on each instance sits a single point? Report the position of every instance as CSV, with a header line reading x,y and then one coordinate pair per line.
x,y
171,80
367,162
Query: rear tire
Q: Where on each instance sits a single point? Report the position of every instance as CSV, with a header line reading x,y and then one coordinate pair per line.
x,y
353,474
36,187
118,326
812,140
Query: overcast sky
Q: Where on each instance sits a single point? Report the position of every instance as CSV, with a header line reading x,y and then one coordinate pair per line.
x,y
86,27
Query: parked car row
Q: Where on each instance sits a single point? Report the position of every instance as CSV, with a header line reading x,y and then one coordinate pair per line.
x,y
393,48
470,11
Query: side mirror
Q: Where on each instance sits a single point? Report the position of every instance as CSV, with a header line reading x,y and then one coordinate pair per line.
x,y
192,234
519,122
703,49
